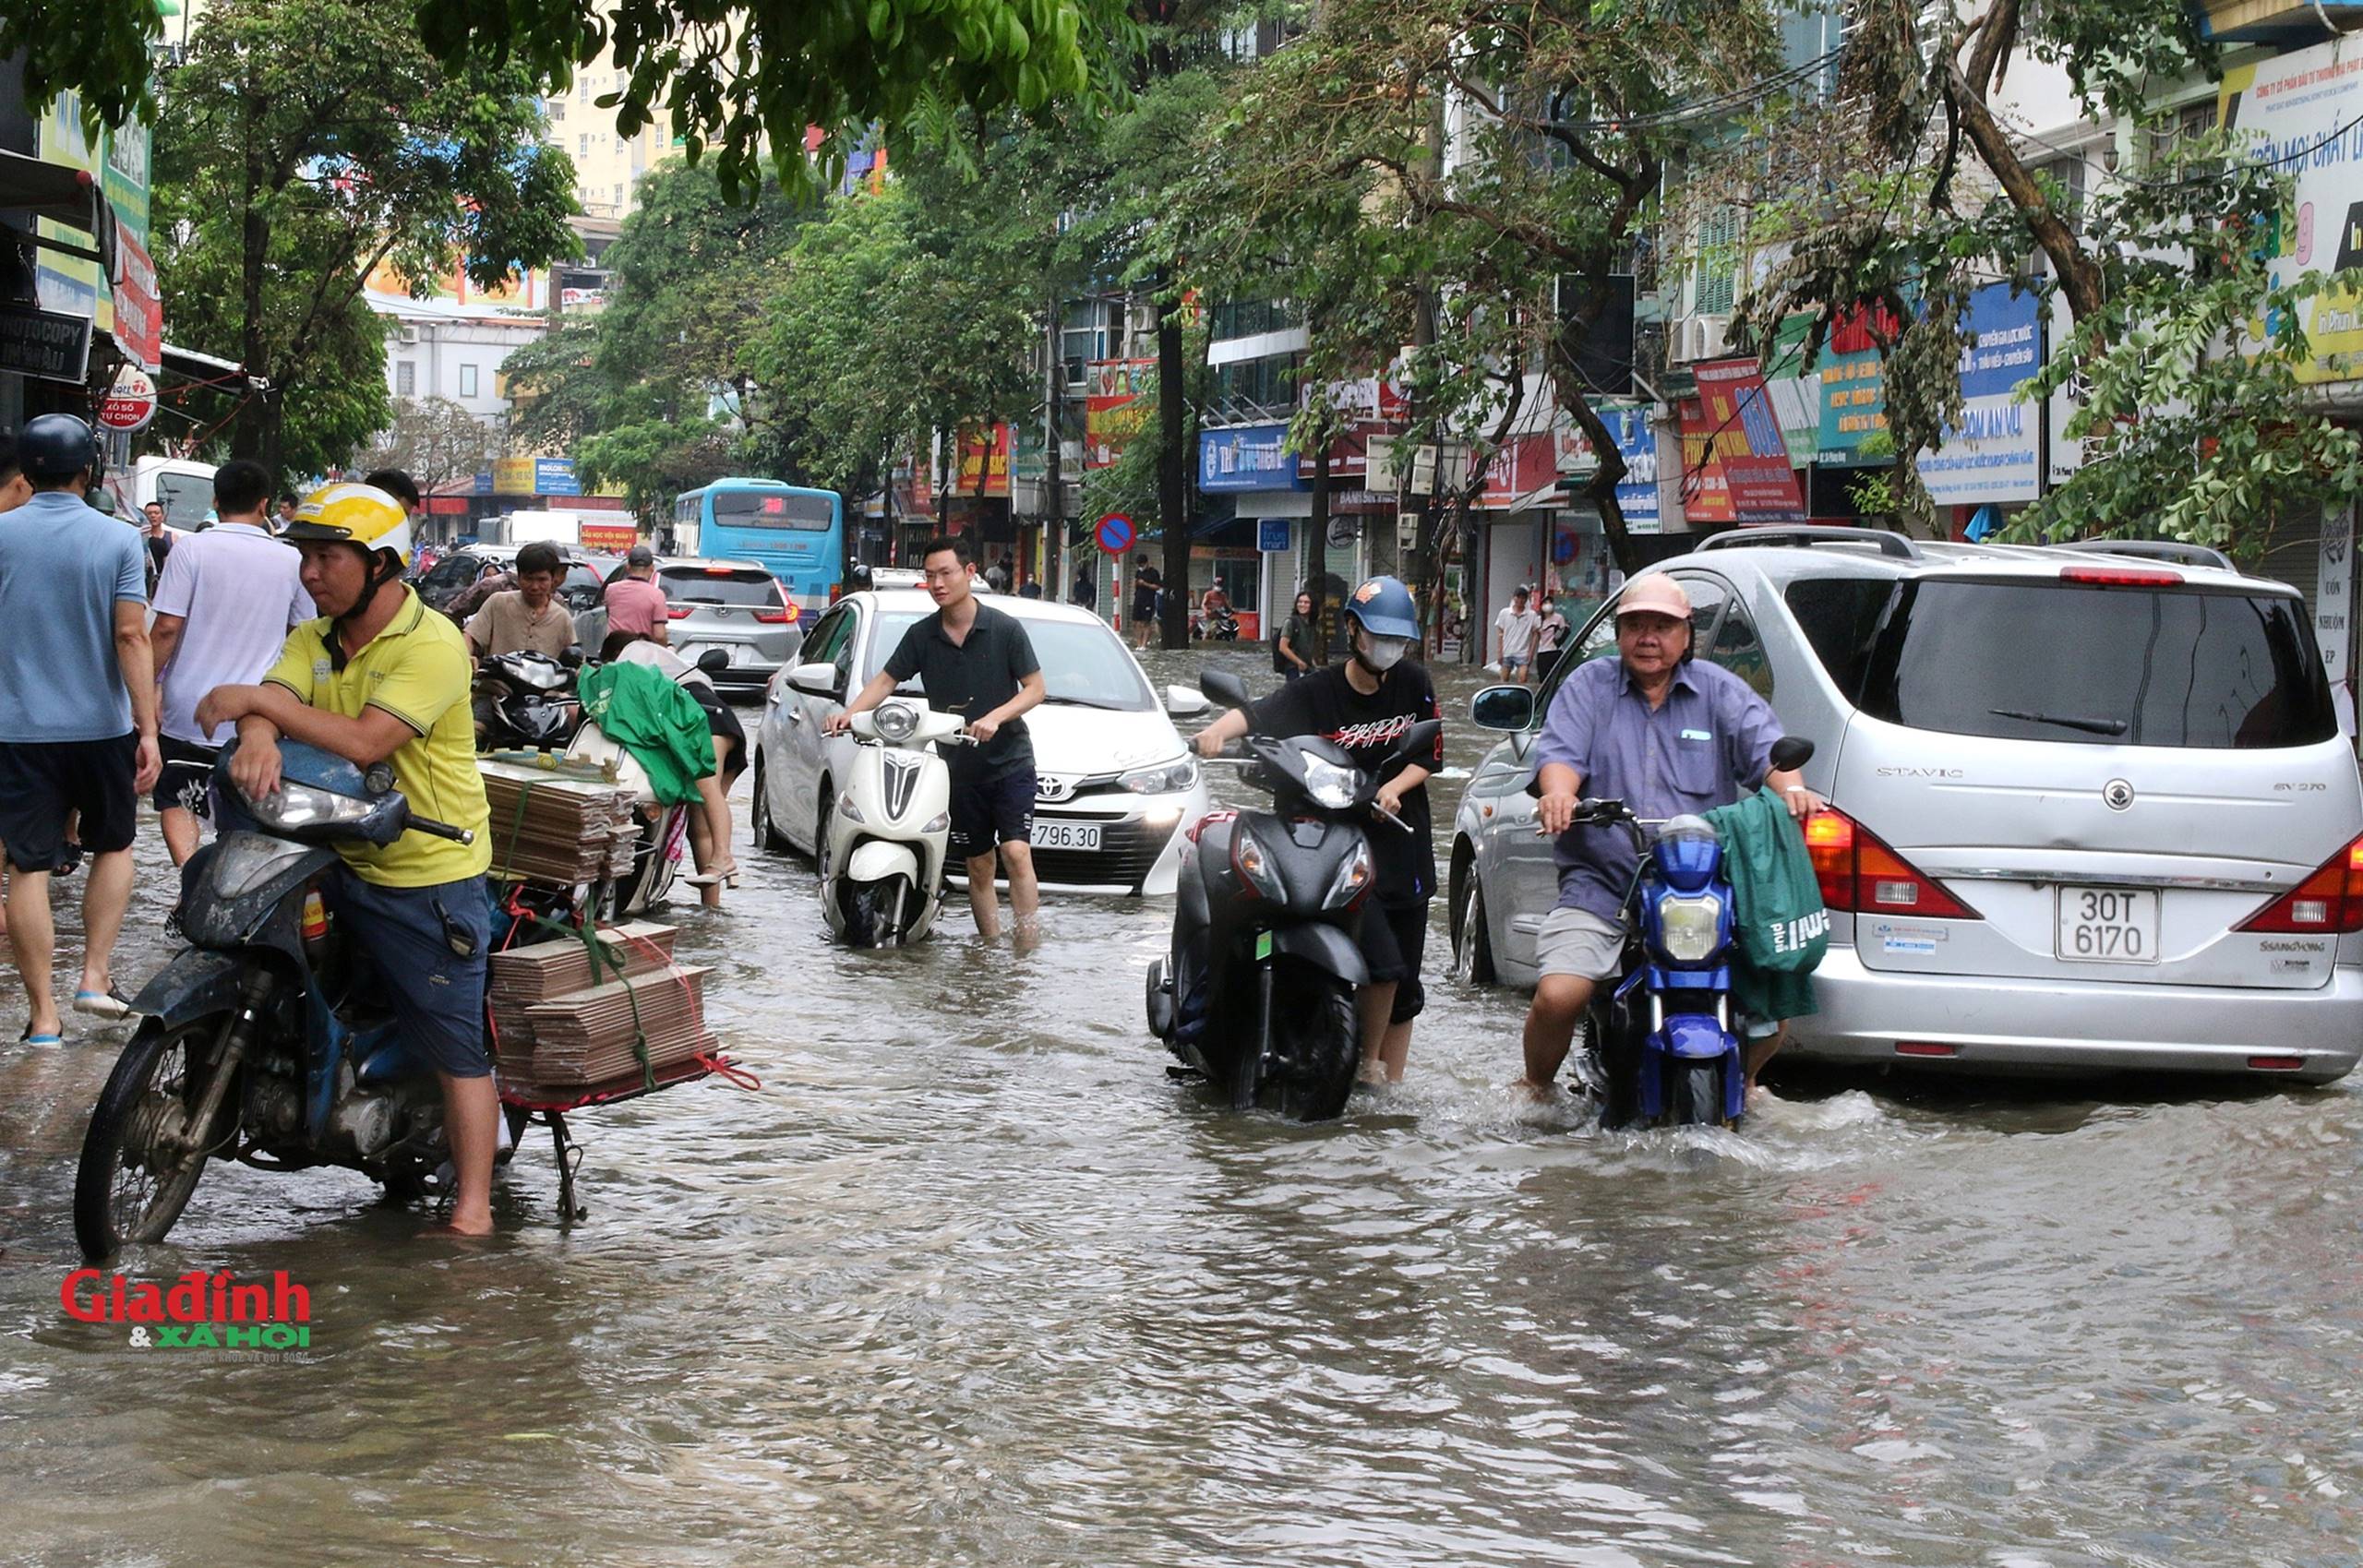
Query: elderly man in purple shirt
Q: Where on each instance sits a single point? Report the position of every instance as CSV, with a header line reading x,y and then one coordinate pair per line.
x,y
1665,734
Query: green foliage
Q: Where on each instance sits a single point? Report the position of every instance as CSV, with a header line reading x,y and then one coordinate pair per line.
x,y
304,143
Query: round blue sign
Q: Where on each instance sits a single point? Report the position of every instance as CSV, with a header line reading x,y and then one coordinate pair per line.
x,y
1116,534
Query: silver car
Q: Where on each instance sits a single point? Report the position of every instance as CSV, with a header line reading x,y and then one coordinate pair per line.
x,y
734,606
2091,808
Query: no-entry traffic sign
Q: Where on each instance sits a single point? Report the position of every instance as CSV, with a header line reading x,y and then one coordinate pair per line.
x,y
1116,534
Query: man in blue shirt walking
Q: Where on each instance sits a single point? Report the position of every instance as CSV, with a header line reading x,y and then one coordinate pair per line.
x,y
1663,733
77,710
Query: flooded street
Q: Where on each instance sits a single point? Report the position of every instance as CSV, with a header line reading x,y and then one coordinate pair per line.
x,y
970,1280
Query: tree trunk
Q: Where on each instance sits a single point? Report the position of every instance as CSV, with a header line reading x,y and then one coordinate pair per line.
x,y
1172,497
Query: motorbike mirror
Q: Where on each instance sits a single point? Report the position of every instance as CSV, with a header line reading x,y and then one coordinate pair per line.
x,y
1227,689
572,658
1505,707
1180,702
714,660
1790,753
813,680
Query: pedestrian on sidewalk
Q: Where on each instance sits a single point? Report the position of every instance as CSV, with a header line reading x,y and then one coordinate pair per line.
x,y
1517,627
1148,583
1086,592
1549,638
223,608
78,712
159,542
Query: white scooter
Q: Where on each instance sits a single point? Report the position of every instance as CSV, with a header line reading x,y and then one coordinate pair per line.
x,y
882,858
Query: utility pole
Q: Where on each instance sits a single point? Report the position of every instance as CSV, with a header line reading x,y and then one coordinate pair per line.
x,y
1172,501
1054,541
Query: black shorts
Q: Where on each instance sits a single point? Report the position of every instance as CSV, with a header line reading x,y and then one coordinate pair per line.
x,y
990,812
724,725
1394,938
43,782
1144,606
188,779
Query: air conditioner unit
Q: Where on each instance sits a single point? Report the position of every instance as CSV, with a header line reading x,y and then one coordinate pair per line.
x,y
1141,317
1702,337
406,334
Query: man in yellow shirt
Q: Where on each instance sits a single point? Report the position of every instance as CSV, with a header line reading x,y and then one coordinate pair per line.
x,y
380,679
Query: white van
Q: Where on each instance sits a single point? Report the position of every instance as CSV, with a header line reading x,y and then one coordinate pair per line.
x,y
185,486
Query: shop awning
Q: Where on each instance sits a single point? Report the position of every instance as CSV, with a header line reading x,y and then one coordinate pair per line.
x,y
65,195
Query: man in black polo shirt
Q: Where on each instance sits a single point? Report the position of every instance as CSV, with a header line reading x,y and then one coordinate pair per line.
x,y
978,661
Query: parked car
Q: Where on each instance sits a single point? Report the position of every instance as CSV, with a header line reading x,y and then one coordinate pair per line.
x,y
1115,781
734,606
2092,806
586,571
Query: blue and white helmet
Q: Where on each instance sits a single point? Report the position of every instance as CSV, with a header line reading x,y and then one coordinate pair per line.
x,y
1385,608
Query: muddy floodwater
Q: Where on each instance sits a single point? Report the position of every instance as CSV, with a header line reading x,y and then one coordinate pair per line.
x,y
970,1280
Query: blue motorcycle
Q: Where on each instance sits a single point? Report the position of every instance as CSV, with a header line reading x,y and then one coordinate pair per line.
x,y
259,1041
1666,1039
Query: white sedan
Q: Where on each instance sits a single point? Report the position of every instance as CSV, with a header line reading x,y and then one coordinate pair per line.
x,y
1115,781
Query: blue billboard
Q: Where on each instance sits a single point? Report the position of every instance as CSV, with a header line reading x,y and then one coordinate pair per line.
x,y
1248,457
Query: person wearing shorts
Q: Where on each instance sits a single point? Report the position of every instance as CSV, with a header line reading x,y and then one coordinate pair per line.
x,y
223,608
710,829
77,714
1666,735
381,678
1148,582
974,661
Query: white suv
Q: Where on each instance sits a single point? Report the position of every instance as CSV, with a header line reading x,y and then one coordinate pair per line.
x,y
2092,807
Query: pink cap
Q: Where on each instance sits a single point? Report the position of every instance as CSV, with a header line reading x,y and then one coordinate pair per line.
x,y
1654,593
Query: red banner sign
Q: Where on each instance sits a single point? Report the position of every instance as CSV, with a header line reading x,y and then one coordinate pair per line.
x,y
1741,431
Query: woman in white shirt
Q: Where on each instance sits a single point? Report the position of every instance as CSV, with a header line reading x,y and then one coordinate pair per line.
x,y
710,829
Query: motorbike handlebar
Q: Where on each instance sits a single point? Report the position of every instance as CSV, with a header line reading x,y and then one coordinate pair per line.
x,y
443,829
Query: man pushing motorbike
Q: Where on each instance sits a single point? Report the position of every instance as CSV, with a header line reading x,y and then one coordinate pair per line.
x,y
377,680
1366,705
1667,735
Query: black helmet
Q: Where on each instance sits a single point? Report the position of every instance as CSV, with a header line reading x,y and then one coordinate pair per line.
x,y
56,446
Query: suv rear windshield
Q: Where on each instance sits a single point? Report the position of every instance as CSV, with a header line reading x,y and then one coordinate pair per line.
x,y
2091,666
744,587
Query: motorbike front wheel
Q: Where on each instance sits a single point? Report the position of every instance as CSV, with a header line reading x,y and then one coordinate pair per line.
x,y
140,1159
873,911
1321,1035
1694,1094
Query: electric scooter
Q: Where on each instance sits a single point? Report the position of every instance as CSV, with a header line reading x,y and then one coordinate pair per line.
x,y
1257,991
1665,1040
884,843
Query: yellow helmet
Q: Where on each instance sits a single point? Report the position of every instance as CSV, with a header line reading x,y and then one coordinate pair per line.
x,y
352,514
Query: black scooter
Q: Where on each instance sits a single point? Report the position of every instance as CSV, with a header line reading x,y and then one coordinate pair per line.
x,y
533,705
1257,992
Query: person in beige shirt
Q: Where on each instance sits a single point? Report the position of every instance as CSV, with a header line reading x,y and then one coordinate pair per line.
x,y
529,617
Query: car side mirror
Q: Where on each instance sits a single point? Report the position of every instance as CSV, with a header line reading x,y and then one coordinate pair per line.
x,y
1506,708
1790,753
813,680
1180,702
714,660
1225,689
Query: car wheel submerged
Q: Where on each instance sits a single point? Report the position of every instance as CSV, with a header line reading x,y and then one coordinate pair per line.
x,y
1472,939
767,834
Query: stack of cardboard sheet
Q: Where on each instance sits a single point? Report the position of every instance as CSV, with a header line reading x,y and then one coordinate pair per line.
x,y
555,820
562,1036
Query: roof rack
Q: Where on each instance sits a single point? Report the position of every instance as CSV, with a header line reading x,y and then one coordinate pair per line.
x,y
2151,549
1805,535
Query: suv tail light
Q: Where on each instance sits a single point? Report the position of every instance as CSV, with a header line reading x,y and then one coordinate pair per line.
x,y
2330,900
1861,876
677,612
784,615
2122,576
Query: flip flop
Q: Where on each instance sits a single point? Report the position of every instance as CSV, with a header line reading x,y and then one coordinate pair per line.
x,y
29,1038
101,1004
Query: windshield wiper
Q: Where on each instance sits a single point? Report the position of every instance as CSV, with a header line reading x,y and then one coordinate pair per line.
x,y
1087,702
2065,721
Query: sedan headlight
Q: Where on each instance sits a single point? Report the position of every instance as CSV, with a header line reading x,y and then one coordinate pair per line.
x,y
1689,926
896,721
1162,779
1330,784
295,805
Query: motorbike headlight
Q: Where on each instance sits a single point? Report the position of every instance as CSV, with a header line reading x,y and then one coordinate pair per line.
x,y
1255,867
296,806
1163,778
1689,926
896,721
847,810
1330,784
1353,880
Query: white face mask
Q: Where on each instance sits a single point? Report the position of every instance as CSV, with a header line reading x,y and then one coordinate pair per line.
x,y
1381,653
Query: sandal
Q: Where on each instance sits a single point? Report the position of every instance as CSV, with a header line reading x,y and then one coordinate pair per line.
x,y
52,1038
101,1004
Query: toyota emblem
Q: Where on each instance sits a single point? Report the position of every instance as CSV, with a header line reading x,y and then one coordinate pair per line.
x,y
2116,795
